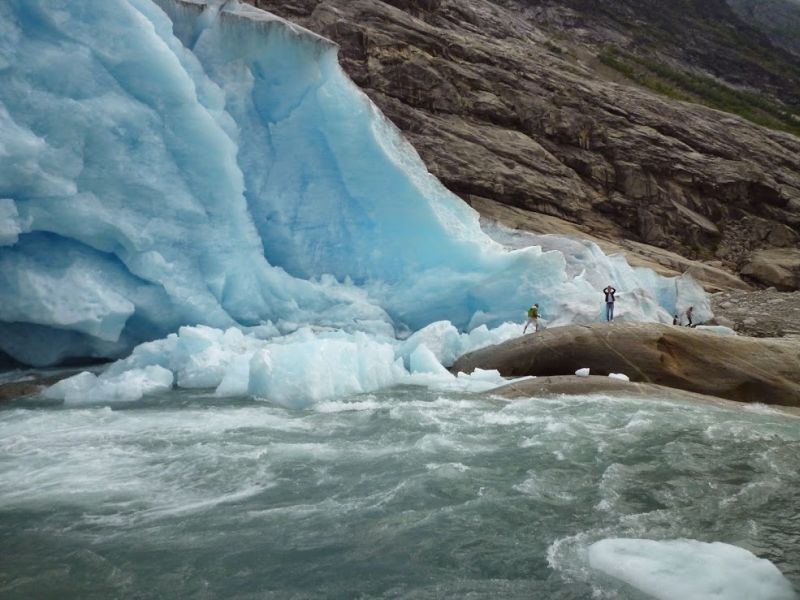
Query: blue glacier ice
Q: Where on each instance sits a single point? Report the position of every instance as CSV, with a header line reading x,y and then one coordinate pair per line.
x,y
173,163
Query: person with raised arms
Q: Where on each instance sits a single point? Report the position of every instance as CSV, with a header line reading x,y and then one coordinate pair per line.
x,y
609,293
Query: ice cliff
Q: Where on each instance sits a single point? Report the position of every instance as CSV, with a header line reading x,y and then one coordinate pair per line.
x,y
167,163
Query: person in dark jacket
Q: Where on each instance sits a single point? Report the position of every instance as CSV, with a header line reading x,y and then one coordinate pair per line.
x,y
609,293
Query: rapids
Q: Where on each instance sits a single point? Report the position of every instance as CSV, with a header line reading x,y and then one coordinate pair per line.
x,y
403,493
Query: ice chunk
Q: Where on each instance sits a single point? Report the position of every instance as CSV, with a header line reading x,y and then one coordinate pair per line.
x,y
295,370
87,388
423,360
477,382
620,376
690,569
299,373
582,372
236,380
447,344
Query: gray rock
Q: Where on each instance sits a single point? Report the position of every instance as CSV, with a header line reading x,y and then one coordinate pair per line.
x,y
731,367
761,313
777,267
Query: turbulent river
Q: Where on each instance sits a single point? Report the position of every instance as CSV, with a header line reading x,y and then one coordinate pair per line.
x,y
400,494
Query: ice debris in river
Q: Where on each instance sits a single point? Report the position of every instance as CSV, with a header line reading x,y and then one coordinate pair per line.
x,y
690,570
295,370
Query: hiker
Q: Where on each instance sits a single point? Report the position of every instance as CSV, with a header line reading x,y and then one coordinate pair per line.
x,y
674,319
689,316
533,318
609,292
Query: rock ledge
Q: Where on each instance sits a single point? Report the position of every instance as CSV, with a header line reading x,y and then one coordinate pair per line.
x,y
731,367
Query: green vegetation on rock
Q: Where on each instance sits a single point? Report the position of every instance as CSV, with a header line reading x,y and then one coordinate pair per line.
x,y
691,87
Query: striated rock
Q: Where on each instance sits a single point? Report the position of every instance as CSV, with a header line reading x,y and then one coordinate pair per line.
x,y
507,101
777,267
735,368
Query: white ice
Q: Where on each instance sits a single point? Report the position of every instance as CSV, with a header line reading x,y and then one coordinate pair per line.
x,y
295,370
690,570
87,388
584,372
620,376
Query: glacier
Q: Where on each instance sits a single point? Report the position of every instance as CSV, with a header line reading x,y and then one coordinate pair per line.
x,y
169,165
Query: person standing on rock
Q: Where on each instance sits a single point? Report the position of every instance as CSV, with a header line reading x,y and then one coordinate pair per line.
x,y
533,318
609,292
689,316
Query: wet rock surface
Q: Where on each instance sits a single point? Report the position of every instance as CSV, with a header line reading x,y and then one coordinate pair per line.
x,y
731,367
19,389
544,387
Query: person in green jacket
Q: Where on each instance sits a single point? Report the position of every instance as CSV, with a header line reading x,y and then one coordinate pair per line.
x,y
533,318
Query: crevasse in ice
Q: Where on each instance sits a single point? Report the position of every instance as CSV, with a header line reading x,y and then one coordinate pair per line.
x,y
170,163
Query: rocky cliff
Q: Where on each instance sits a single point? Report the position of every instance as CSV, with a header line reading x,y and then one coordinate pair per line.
x,y
592,117
779,19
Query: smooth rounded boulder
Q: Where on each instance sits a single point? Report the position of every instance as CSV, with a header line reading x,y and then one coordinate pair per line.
x,y
726,366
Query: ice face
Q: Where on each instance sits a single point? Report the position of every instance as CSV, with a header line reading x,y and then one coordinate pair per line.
x,y
690,570
168,163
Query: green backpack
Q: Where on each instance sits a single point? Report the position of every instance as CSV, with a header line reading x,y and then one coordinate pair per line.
x,y
533,312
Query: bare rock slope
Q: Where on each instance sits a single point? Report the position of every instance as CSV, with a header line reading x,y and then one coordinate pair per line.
x,y
509,101
731,367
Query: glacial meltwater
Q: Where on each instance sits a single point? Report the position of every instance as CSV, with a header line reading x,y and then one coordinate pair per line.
x,y
405,493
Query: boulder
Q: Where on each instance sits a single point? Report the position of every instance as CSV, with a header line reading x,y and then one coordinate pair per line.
x,y
778,267
735,368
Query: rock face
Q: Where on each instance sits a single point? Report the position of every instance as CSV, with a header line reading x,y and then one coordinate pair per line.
x,y
736,368
777,267
779,19
507,102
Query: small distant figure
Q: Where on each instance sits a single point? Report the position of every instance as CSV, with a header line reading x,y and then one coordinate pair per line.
x,y
609,292
674,319
689,316
533,318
